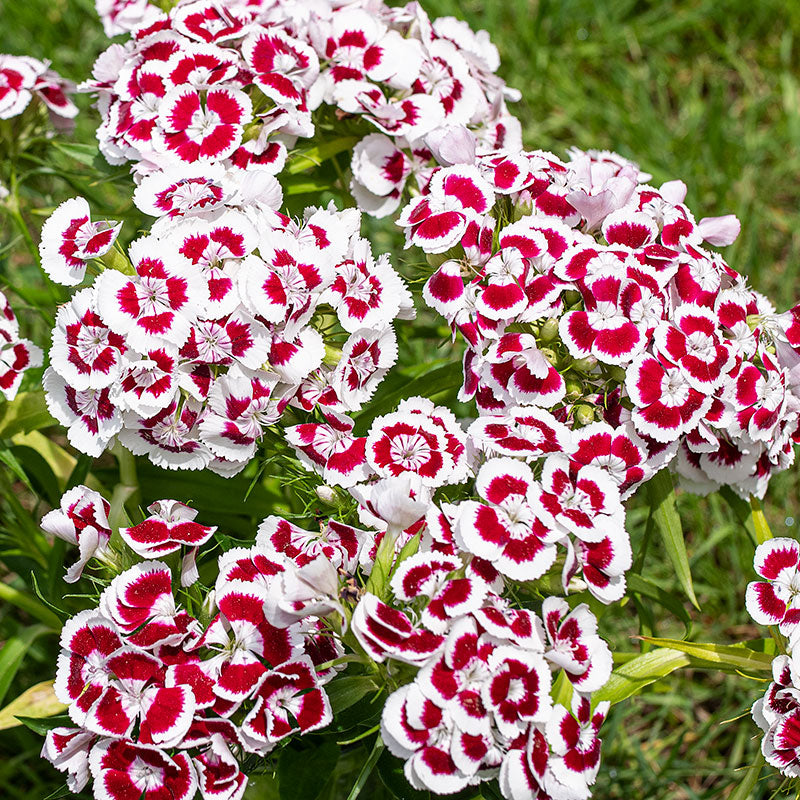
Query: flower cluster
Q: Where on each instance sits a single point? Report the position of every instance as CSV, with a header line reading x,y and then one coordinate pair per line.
x,y
775,600
23,78
235,84
16,354
581,289
223,315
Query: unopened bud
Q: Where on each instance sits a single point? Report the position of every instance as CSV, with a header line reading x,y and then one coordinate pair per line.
x,y
116,259
584,364
326,494
584,415
574,389
572,297
617,374
550,355
549,330
436,260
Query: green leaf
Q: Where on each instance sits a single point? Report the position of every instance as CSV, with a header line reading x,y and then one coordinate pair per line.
x,y
302,774
630,678
11,461
345,692
38,702
562,689
390,771
744,788
83,153
741,509
731,657
642,586
29,603
311,157
25,413
666,519
366,770
13,653
42,725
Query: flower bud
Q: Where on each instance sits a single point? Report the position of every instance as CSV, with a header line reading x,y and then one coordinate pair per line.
x,y
574,389
116,259
584,365
550,355
326,494
584,414
549,330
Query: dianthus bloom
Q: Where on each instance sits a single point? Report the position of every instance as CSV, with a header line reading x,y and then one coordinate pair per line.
x,y
16,354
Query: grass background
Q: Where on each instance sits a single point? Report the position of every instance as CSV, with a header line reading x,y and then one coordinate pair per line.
x,y
702,90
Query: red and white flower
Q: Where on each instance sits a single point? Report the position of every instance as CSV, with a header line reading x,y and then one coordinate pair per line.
x,y
776,599
82,520
70,239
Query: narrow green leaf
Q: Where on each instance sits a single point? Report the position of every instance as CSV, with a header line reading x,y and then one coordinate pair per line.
x,y
744,788
390,771
42,725
345,692
366,770
642,586
26,412
11,461
562,689
83,153
31,604
39,702
630,678
741,508
13,653
736,657
314,156
666,518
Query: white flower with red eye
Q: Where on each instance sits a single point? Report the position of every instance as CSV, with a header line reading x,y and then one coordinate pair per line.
x,y
521,432
282,67
454,434
422,575
202,128
777,713
122,769
85,352
506,172
208,21
366,357
240,406
141,603
505,530
67,749
630,228
236,337
285,282
218,773
201,66
618,451
666,404
604,329
575,745
503,297
586,262
518,690
158,304
435,222
760,402
692,341
149,384
293,358
337,542
217,247
249,565
244,639
16,356
366,293
289,700
575,646
603,565
517,371
136,692
380,169
87,640
82,519
403,442
169,439
576,499
69,239
331,449
399,502
89,415
181,191
776,599
418,731
445,75
699,277
524,767
385,632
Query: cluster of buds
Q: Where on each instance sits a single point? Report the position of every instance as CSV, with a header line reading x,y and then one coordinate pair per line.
x,y
236,84
580,289
227,312
775,600
16,354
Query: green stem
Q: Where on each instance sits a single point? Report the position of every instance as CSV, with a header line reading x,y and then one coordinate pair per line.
x,y
382,566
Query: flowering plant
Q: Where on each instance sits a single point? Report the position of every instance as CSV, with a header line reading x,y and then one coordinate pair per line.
x,y
299,534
